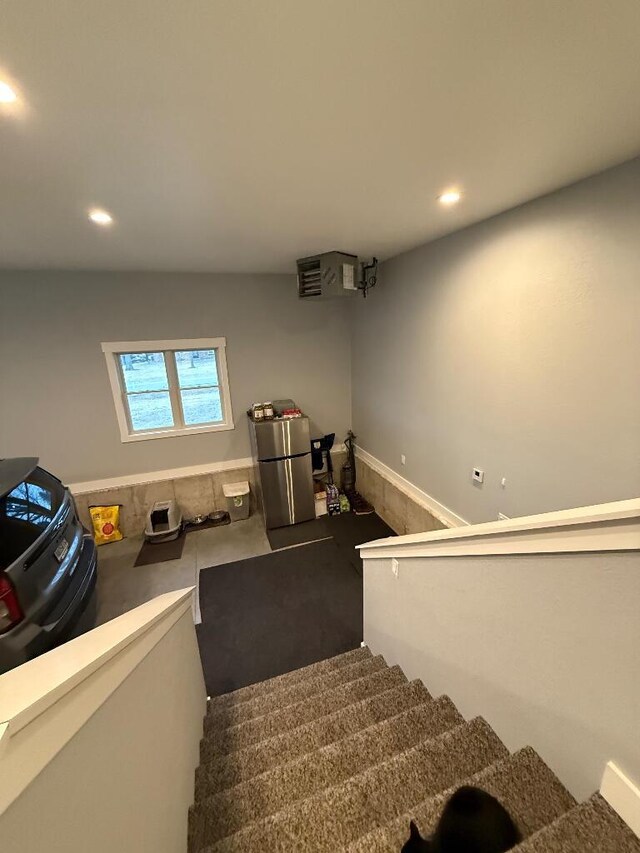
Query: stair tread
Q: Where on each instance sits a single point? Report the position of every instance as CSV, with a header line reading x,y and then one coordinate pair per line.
x,y
523,783
252,691
225,771
227,812
590,827
290,695
339,814
252,731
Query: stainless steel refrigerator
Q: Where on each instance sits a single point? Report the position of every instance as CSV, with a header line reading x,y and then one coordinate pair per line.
x,y
282,455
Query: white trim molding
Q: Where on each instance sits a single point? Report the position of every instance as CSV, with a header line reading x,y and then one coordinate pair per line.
x,y
604,527
152,346
113,349
438,510
623,796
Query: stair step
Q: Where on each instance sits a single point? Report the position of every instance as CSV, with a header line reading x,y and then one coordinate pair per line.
x,y
225,813
523,783
225,771
338,815
253,731
278,699
591,827
252,691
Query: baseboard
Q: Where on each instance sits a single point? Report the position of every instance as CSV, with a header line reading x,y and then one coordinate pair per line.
x,y
622,795
440,511
158,476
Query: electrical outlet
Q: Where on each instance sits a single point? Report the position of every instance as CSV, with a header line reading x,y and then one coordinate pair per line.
x,y
478,475
403,459
395,566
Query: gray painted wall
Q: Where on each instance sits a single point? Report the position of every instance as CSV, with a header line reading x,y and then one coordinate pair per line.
x,y
544,647
56,398
514,346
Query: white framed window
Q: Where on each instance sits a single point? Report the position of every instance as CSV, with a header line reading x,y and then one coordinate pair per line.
x,y
167,388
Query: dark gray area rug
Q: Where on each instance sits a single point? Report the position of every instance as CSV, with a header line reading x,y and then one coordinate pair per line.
x,y
298,534
160,552
348,529
271,614
275,613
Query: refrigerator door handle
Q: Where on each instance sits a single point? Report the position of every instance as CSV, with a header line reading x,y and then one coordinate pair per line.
x,y
283,458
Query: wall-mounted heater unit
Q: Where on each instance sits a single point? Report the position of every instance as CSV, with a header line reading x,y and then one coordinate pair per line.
x,y
327,275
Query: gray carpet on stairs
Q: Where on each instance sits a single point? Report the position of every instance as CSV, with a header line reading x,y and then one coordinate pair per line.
x,y
225,771
523,783
341,754
225,812
591,827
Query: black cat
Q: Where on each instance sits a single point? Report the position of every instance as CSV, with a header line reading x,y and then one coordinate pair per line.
x,y
471,822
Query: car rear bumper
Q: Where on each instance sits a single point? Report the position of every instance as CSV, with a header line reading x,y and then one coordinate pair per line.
x,y
76,610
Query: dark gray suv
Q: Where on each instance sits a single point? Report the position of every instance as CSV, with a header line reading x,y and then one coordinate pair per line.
x,y
48,564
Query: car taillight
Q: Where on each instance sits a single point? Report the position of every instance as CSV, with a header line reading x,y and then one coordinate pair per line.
x,y
10,610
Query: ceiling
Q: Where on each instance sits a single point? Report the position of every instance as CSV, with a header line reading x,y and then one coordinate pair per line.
x,y
239,135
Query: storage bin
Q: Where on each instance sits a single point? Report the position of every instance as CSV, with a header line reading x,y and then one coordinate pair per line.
x,y
237,495
321,503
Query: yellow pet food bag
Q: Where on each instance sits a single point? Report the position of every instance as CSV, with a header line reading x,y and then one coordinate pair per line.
x,y
106,524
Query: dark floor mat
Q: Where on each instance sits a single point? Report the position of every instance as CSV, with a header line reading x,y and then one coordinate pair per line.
x,y
271,614
189,527
160,552
349,530
298,534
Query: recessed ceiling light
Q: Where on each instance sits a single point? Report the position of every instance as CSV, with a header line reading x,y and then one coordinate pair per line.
x,y
450,197
7,95
100,217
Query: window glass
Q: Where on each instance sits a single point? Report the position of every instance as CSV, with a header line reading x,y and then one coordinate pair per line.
x,y
150,410
26,512
196,368
201,406
144,371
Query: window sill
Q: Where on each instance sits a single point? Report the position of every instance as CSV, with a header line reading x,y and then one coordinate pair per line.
x,y
174,433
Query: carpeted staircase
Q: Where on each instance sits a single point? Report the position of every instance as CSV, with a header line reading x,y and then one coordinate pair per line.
x,y
340,755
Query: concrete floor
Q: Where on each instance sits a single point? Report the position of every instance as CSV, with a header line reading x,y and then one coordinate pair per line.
x,y
121,585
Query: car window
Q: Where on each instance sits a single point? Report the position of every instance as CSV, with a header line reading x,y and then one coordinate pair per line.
x,y
25,512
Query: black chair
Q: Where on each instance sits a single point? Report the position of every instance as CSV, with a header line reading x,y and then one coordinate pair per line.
x,y
321,455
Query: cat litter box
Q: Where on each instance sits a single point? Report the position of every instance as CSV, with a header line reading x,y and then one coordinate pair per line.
x,y
164,522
